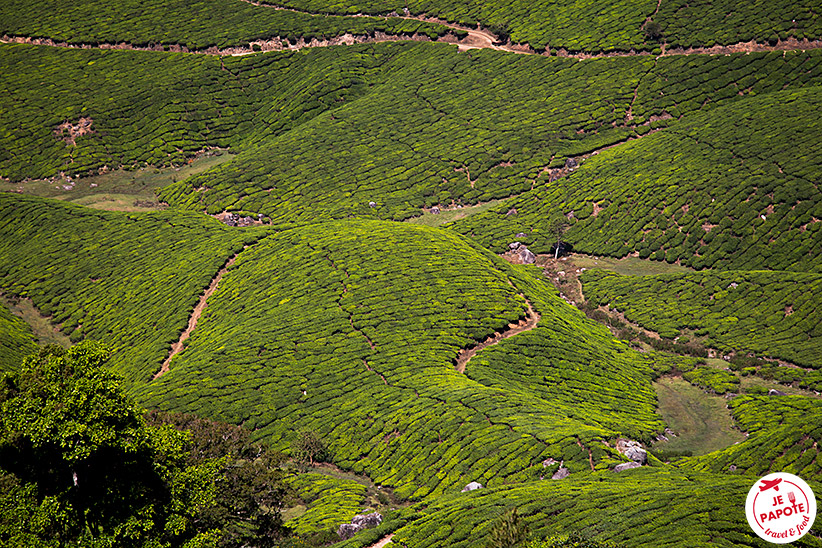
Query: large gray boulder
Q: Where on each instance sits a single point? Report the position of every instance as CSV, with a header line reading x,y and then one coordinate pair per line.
x,y
365,521
347,530
526,256
473,486
562,473
626,466
358,523
633,450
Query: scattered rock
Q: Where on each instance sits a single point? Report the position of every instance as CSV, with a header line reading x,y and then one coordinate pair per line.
x,y
365,521
358,523
435,210
372,204
548,462
733,285
633,450
473,486
520,235
570,163
627,466
514,245
562,473
347,530
512,211
526,256
773,392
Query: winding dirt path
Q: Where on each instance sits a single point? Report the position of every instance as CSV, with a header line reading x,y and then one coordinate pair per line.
x,y
477,38
529,322
177,347
382,542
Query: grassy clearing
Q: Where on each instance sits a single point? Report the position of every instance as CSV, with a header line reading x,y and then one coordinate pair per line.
x,y
41,326
702,422
628,266
118,190
450,215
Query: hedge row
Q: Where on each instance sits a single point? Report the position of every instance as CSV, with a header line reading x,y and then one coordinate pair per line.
x,y
131,280
154,108
195,25
784,435
733,187
774,314
592,26
16,340
330,501
635,508
473,127
352,328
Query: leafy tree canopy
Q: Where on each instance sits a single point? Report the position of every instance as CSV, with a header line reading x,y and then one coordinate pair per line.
x,y
80,466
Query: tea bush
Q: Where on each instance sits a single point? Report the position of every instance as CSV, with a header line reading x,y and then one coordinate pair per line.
x,y
16,340
129,279
774,314
195,25
720,189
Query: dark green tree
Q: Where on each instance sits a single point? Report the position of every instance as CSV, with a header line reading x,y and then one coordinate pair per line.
x,y
251,485
80,467
308,449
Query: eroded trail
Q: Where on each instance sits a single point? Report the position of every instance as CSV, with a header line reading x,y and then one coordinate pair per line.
x,y
177,347
529,322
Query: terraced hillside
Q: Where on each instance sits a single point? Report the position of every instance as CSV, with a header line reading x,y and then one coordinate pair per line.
x,y
640,508
352,329
192,25
595,27
784,434
733,187
774,314
419,357
16,340
442,130
128,279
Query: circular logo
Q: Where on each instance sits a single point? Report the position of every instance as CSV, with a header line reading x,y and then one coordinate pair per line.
x,y
780,508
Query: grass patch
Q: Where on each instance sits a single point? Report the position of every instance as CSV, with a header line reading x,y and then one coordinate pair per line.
x,y
41,326
702,422
118,190
450,215
628,266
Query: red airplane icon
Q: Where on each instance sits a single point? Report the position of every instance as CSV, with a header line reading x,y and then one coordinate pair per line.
x,y
767,484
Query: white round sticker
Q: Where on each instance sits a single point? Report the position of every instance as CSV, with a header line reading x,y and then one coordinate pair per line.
x,y
780,508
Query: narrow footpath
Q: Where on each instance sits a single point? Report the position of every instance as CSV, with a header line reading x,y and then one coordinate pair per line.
x,y
529,322
177,347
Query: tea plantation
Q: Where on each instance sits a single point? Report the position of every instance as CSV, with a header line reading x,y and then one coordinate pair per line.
x,y
785,432
771,313
733,187
16,340
194,25
645,507
477,126
128,279
309,330
333,318
597,27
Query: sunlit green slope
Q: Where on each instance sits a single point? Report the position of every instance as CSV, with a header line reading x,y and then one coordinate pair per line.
x,y
730,188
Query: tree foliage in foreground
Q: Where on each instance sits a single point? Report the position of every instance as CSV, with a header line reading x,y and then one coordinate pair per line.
x,y
80,467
